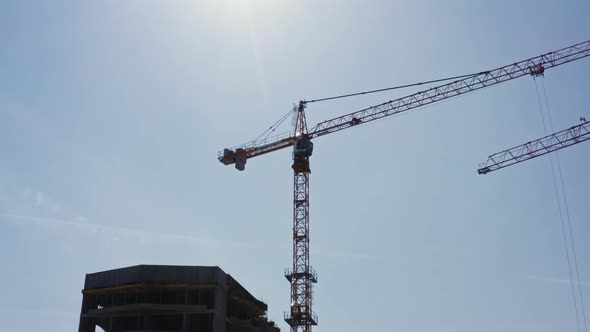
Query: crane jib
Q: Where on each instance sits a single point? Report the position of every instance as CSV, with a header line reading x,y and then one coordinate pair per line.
x,y
536,148
534,66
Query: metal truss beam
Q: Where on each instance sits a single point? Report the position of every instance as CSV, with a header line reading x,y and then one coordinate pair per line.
x,y
301,318
536,148
533,66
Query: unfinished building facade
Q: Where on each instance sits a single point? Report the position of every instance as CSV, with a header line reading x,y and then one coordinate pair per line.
x,y
172,299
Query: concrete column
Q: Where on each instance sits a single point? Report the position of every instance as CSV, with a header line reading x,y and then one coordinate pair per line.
x,y
87,324
220,308
185,317
148,323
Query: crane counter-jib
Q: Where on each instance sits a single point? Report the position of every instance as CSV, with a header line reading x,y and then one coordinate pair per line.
x,y
240,154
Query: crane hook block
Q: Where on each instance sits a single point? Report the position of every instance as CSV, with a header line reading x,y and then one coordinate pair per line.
x,y
537,70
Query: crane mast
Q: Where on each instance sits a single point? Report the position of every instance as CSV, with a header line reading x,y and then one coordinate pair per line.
x,y
301,275
536,148
301,318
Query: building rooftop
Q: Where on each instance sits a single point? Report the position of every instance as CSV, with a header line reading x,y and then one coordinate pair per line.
x,y
165,274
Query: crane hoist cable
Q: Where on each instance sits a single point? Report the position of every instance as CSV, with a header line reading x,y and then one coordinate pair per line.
x,y
554,166
274,127
567,213
392,88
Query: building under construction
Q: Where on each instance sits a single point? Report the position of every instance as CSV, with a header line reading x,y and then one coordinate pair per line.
x,y
170,298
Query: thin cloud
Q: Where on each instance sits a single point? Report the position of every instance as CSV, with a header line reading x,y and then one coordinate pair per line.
x,y
39,199
347,255
555,280
80,223
28,311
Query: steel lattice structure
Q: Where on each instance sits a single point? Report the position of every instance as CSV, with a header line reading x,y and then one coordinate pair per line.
x,y
536,148
533,66
302,276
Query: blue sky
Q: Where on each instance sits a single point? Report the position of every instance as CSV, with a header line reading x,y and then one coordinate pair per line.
x,y
112,112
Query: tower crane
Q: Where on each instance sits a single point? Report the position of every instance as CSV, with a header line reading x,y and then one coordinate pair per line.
x,y
301,275
553,142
